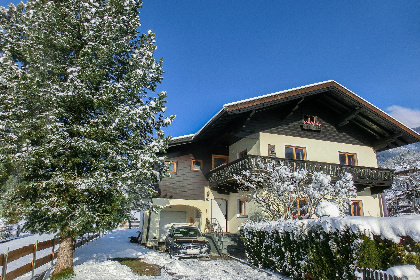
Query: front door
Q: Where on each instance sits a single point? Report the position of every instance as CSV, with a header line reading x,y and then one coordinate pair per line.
x,y
219,212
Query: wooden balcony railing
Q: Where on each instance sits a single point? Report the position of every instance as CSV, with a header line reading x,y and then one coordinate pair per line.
x,y
361,175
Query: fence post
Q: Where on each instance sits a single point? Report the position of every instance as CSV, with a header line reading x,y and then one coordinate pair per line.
x,y
34,258
6,256
53,253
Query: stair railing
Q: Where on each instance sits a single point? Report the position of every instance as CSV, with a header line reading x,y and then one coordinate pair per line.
x,y
218,232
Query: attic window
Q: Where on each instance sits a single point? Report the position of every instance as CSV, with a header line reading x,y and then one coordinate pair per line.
x,y
311,122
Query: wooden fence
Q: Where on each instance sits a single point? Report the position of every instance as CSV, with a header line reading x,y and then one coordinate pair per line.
x,y
130,224
16,254
370,274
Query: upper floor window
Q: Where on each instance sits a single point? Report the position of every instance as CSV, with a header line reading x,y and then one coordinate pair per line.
x,y
292,152
356,208
171,166
347,158
196,164
217,160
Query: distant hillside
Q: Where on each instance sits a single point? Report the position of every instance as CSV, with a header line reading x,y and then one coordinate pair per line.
x,y
401,158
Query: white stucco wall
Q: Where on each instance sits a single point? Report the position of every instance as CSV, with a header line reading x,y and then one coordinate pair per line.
x,y
316,150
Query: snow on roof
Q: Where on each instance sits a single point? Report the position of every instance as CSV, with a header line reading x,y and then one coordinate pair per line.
x,y
183,137
276,93
297,89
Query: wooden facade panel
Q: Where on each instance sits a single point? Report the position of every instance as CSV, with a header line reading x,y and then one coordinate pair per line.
x,y
187,183
272,121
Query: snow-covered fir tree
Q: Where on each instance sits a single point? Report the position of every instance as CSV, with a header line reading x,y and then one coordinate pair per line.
x,y
80,122
283,193
404,195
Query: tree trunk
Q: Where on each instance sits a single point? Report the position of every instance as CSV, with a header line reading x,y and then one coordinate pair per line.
x,y
65,256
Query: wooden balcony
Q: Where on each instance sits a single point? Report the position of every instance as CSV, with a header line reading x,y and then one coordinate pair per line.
x,y
222,177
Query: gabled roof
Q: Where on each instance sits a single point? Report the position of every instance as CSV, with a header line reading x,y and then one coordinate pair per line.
x,y
353,107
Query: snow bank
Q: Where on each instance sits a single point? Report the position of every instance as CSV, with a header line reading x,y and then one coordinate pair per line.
x,y
408,272
392,228
327,209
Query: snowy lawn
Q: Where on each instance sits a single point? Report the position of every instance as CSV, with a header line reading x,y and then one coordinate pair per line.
x,y
92,261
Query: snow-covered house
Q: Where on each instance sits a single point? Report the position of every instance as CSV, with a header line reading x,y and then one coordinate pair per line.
x,y
322,126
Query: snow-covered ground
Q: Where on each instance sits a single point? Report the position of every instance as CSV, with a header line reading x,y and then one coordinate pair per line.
x,y
93,261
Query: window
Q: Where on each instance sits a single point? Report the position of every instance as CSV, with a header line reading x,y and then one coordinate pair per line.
x,y
242,207
218,160
242,154
271,150
356,208
347,158
196,164
292,152
300,203
171,166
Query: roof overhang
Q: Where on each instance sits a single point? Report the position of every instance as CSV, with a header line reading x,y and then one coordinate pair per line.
x,y
373,116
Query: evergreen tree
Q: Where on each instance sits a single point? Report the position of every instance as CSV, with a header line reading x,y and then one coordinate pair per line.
x,y
80,122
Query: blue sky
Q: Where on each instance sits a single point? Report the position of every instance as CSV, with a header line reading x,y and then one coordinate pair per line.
x,y
216,52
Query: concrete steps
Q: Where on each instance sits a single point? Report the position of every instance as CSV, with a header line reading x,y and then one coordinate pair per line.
x,y
226,243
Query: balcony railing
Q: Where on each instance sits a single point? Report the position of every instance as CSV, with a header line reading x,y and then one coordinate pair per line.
x,y
361,175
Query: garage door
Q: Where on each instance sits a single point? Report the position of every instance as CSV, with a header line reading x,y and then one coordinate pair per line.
x,y
167,218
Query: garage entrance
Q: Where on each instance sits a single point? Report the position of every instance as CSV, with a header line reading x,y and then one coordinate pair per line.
x,y
167,218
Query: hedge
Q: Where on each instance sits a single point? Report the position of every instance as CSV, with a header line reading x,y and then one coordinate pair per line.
x,y
310,250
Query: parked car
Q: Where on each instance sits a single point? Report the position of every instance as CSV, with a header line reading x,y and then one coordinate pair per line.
x,y
186,240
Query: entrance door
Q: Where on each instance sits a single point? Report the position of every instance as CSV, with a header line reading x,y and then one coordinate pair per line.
x,y
167,218
219,212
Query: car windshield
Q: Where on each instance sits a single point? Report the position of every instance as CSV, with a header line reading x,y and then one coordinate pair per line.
x,y
186,232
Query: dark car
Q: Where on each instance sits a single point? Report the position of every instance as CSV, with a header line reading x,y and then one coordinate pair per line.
x,y
186,241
